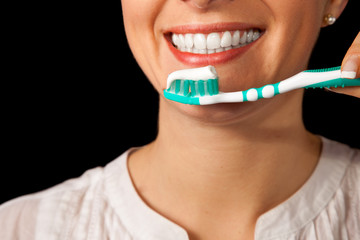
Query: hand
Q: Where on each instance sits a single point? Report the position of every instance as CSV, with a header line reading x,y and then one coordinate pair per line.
x,y
350,68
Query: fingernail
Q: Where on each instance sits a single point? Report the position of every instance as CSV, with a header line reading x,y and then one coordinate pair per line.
x,y
349,69
348,74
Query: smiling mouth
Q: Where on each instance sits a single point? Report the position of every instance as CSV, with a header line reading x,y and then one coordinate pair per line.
x,y
214,42
210,44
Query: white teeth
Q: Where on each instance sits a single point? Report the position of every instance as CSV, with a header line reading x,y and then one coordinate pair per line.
x,y
175,39
219,50
256,35
226,39
203,51
189,42
236,38
199,41
181,41
249,36
243,38
214,42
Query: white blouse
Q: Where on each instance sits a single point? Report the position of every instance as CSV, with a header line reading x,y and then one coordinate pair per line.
x,y
103,204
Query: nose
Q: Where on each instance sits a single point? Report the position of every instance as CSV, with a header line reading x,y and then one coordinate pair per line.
x,y
200,3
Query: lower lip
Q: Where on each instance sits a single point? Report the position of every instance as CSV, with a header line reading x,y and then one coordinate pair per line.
x,y
197,60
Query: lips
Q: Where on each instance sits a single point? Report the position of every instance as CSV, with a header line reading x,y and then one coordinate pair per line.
x,y
198,45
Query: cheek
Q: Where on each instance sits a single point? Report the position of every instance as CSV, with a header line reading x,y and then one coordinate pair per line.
x,y
139,17
292,34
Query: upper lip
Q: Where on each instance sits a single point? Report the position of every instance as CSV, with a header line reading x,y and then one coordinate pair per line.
x,y
213,27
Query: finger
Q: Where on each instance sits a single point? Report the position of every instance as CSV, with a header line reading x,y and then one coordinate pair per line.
x,y
350,67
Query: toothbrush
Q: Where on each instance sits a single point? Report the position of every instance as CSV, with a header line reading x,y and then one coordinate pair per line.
x,y
199,86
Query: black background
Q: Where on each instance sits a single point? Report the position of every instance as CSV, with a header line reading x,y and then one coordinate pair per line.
x,y
66,78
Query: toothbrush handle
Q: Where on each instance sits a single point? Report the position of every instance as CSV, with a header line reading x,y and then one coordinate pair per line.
x,y
338,82
272,90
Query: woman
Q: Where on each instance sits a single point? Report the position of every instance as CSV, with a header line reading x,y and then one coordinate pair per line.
x,y
224,171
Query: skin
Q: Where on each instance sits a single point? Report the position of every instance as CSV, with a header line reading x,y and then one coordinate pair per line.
x,y
353,55
215,169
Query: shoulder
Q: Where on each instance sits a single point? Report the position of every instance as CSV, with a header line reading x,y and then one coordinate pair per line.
x,y
353,172
21,218
350,185
350,156
347,158
337,151
80,208
344,207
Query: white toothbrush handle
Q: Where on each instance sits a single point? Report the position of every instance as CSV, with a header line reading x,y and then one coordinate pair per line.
x,y
297,81
304,79
221,97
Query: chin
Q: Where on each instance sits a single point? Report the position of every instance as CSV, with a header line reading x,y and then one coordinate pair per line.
x,y
243,113
220,114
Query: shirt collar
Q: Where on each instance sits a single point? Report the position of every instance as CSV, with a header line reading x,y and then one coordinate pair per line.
x,y
144,223
140,220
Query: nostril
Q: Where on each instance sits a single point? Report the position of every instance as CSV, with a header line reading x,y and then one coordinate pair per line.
x,y
202,4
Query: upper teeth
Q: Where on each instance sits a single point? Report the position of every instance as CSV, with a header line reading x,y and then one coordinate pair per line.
x,y
213,42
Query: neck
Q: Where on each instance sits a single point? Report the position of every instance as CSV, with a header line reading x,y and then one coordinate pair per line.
x,y
246,166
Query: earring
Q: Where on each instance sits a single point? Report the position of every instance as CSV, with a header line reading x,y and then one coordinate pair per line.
x,y
329,19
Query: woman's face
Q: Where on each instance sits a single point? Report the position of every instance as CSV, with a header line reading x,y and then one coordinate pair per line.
x,y
284,33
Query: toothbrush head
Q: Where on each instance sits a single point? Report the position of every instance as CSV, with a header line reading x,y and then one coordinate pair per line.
x,y
187,86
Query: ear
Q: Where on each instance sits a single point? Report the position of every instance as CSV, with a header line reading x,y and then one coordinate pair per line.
x,y
335,8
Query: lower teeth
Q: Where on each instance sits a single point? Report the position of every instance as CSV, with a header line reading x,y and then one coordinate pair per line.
x,y
209,51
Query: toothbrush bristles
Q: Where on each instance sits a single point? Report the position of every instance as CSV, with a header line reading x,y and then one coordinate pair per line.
x,y
192,88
